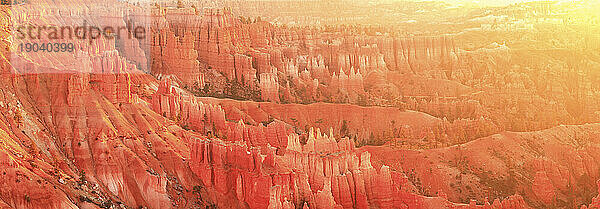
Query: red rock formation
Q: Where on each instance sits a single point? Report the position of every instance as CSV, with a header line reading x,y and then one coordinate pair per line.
x,y
262,61
553,164
73,136
543,187
422,53
175,55
277,59
110,77
19,187
274,134
244,72
318,69
204,118
260,34
87,138
216,41
269,87
595,201
347,118
351,84
306,172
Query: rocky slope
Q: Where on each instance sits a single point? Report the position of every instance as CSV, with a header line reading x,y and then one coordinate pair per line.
x,y
554,168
